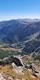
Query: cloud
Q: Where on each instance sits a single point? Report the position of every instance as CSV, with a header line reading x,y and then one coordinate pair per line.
x,y
9,17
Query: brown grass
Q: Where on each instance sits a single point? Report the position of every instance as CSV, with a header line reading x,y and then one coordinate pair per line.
x,y
9,49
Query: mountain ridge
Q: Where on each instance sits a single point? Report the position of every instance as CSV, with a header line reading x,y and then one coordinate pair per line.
x,y
24,31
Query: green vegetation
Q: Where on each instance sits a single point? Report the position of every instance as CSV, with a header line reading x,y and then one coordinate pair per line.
x,y
7,53
37,57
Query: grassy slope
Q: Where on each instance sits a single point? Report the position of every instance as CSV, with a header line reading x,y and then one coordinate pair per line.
x,y
9,71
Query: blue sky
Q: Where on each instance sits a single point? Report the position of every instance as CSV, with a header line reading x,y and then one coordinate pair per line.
x,y
10,9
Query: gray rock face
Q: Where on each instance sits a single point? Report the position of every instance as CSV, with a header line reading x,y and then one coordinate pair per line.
x,y
11,59
35,72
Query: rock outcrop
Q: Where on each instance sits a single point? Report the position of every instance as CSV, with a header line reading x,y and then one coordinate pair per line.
x,y
11,59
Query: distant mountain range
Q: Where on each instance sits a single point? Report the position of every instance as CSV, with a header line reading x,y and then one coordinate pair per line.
x,y
23,33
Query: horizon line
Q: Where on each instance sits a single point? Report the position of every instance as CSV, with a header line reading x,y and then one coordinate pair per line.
x,y
29,18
